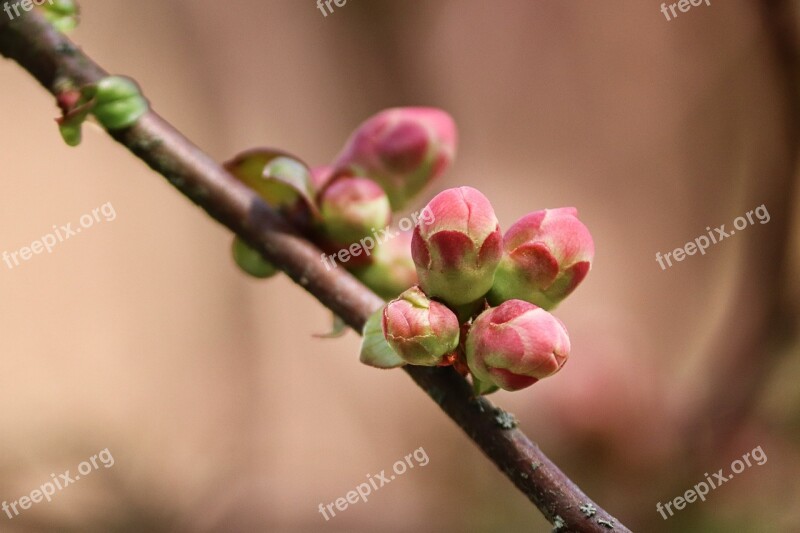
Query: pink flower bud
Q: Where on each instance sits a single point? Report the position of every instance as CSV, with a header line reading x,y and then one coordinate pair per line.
x,y
546,255
515,345
392,270
351,208
457,248
402,149
420,330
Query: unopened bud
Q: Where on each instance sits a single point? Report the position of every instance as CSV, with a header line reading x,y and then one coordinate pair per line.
x,y
516,344
118,102
421,331
457,248
402,149
546,255
351,208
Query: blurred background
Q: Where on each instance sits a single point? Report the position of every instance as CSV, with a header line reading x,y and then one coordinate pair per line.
x,y
221,410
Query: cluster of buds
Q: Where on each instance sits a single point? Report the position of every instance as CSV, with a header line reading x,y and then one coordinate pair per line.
x,y
465,266
344,206
464,293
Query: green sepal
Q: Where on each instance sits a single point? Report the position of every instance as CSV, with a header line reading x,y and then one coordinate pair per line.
x,y
482,388
375,351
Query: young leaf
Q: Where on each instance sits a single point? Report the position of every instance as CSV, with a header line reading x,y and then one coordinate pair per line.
x,y
282,180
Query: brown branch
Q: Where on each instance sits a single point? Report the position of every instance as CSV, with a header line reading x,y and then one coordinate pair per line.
x,y
53,59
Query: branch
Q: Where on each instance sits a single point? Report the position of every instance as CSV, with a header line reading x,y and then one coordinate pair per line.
x,y
52,59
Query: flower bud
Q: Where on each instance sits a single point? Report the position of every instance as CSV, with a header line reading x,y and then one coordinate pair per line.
x,y
457,249
118,102
515,345
420,330
392,270
351,208
402,149
546,255
251,261
62,14
115,101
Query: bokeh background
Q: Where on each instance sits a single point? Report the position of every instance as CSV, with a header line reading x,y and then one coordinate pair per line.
x,y
221,410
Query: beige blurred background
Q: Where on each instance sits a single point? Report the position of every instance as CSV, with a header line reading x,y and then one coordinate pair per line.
x,y
221,410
